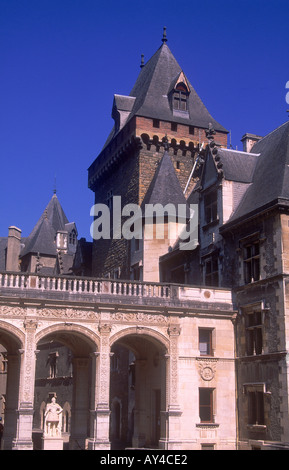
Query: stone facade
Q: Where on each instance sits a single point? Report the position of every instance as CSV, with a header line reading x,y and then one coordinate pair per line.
x,y
162,347
159,324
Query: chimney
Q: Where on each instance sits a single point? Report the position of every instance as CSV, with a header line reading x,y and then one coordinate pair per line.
x,y
13,249
62,240
249,140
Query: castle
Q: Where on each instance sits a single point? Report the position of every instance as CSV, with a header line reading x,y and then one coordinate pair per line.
x,y
147,341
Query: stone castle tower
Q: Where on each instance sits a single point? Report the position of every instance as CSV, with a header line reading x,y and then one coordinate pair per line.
x,y
162,107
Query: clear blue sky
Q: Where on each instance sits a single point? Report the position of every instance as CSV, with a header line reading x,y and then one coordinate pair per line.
x,y
61,61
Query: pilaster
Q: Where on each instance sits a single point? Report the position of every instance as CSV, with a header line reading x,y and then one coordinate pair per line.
x,y
172,439
99,415
25,410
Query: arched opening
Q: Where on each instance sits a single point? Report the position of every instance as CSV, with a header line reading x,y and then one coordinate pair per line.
x,y
137,391
10,359
64,371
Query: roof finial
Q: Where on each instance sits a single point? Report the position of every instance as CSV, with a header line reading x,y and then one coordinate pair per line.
x,y
164,39
54,187
142,61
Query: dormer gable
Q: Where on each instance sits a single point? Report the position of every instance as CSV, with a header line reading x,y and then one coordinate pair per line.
x,y
179,94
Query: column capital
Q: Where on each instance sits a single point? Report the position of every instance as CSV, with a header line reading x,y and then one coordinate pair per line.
x,y
30,324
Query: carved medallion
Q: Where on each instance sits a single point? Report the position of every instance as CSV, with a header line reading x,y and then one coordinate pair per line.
x,y
207,369
207,373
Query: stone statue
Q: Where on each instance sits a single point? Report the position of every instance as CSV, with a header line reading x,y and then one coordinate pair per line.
x,y
53,419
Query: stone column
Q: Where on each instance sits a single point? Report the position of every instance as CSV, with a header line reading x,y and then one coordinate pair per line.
x,y
172,440
23,439
100,411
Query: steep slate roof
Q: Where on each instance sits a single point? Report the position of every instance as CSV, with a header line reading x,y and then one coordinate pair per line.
x,y
165,187
55,214
153,85
238,166
41,239
270,182
150,92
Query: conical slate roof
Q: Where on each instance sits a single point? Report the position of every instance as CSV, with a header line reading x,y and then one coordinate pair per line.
x,y
42,238
165,187
55,214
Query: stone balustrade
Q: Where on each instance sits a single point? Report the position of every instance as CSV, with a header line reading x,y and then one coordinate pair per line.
x,y
82,285
132,291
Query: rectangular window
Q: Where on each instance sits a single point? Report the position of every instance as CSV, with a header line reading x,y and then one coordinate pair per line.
x,y
251,257
191,130
211,207
180,100
256,408
174,126
254,333
205,342
156,123
212,271
206,405
208,446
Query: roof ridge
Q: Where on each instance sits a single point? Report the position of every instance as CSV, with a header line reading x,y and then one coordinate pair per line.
x,y
270,133
238,151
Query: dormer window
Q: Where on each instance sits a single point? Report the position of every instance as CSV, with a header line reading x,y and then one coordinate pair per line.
x,y
72,237
180,97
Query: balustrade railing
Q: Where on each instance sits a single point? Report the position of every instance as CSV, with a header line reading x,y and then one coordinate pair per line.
x,y
23,281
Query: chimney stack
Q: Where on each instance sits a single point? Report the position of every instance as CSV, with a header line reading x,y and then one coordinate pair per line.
x,y
249,140
13,249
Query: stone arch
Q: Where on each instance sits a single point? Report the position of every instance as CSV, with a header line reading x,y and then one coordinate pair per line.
x,y
153,335
141,385
11,334
67,350
64,331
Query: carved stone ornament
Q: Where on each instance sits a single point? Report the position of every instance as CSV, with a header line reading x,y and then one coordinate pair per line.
x,y
139,318
174,330
207,369
104,328
12,311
